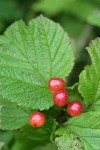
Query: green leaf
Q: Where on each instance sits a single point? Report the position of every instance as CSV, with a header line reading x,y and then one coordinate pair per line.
x,y
30,146
94,18
89,6
80,133
33,138
89,84
66,140
74,94
5,139
51,7
47,147
43,134
11,116
29,57
24,143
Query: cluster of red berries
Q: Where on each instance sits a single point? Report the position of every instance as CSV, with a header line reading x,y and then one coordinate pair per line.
x,y
60,98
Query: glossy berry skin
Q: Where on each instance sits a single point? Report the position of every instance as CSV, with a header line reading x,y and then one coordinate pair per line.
x,y
60,98
75,108
56,84
37,119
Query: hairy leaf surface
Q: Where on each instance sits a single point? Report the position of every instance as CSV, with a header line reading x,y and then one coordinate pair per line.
x,y
29,57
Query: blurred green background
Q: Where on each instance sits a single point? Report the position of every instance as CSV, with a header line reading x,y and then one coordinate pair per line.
x,y
79,18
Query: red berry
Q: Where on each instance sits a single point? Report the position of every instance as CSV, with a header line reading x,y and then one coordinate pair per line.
x,y
37,119
60,98
56,84
75,108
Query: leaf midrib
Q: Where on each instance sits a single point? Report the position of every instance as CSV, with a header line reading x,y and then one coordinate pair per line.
x,y
48,48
